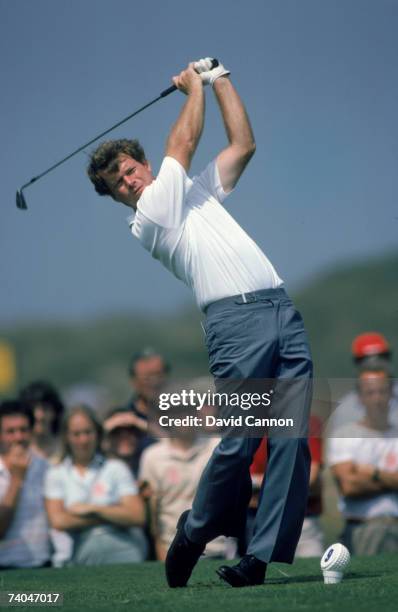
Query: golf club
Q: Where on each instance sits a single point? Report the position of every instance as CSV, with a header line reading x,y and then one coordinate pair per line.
x,y
20,198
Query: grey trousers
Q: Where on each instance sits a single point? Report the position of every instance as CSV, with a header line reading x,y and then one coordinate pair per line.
x,y
258,336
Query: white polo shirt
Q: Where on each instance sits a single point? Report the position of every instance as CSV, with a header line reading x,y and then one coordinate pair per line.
x,y
357,443
182,223
26,542
104,483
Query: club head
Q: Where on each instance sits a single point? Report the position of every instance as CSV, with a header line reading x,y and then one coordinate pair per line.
x,y
20,199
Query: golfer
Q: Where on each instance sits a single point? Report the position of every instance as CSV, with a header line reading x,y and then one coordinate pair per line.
x,y
252,328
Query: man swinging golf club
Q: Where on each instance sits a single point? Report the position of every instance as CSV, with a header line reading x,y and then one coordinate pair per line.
x,y
252,328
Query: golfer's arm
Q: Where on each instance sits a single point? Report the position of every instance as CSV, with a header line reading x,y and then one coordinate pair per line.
x,y
234,158
186,132
129,512
353,483
61,519
9,503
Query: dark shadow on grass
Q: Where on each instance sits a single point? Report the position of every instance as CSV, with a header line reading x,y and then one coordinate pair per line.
x,y
299,579
287,580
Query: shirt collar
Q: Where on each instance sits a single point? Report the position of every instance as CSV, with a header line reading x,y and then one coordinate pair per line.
x,y
96,462
188,453
130,219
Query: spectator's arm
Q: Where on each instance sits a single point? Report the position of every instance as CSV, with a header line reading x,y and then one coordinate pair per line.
x,y
315,478
62,519
129,512
354,481
160,548
388,481
9,503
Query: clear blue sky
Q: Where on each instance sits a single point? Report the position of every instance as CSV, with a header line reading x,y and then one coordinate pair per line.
x,y
320,82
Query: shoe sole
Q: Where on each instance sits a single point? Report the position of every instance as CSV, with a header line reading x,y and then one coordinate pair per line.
x,y
234,578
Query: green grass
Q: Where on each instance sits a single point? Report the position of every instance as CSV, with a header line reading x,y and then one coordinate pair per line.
x,y
371,583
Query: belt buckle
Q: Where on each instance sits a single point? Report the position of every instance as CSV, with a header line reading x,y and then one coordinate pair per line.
x,y
246,298
250,298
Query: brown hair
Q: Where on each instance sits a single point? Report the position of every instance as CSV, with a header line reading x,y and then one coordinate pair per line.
x,y
16,408
104,158
91,416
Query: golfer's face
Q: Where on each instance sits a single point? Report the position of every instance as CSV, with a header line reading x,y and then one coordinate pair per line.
x,y
129,181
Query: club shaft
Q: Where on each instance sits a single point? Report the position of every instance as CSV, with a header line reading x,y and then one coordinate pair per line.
x,y
21,203
164,93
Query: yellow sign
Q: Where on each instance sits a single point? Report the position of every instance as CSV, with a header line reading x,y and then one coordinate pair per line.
x,y
7,367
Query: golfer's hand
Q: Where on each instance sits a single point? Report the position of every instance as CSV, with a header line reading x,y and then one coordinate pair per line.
x,y
17,461
188,80
208,74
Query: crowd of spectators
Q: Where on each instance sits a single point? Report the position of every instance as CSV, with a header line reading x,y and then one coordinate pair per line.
x,y
77,491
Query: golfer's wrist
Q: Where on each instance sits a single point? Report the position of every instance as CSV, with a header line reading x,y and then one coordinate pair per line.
x,y
221,81
197,86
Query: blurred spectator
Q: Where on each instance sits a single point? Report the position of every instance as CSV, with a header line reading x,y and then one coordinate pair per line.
x,y
24,529
48,410
94,499
148,372
311,543
172,468
88,393
364,460
366,348
123,440
124,431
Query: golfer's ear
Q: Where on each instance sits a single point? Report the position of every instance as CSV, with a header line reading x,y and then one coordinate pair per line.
x,y
148,165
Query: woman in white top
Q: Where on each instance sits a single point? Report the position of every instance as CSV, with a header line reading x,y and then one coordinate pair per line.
x,y
92,499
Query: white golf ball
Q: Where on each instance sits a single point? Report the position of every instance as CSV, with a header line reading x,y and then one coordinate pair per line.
x,y
335,558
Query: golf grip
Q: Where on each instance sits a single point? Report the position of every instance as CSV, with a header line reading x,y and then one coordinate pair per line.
x,y
169,90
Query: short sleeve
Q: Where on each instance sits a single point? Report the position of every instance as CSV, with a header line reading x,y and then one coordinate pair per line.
x,y
162,202
124,481
209,180
54,485
340,450
148,464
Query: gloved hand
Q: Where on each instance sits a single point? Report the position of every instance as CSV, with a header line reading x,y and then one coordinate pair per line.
x,y
208,74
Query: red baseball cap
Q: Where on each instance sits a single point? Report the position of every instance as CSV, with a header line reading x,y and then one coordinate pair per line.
x,y
368,344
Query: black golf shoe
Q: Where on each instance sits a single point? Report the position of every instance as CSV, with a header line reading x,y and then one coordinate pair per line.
x,y
182,556
248,572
